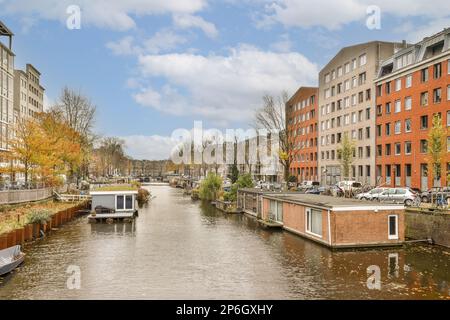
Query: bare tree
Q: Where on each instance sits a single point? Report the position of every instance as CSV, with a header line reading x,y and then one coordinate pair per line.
x,y
79,114
272,117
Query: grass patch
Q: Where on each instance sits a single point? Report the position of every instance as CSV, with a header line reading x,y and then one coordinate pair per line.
x,y
116,188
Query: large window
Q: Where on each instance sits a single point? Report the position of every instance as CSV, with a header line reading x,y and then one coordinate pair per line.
x,y
437,95
393,227
276,211
124,202
314,221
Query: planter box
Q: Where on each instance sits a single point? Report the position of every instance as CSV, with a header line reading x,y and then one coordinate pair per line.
x,y
11,239
3,241
20,236
28,232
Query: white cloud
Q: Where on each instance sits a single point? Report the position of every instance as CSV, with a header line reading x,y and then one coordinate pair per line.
x,y
111,14
283,45
153,147
162,41
222,88
124,46
332,14
186,21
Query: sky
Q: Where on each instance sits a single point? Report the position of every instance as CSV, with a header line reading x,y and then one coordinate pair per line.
x,y
154,66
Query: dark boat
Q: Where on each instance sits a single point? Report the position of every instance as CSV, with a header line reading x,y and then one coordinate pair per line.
x,y
10,259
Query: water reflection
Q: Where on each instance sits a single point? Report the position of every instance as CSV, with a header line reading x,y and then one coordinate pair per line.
x,y
181,249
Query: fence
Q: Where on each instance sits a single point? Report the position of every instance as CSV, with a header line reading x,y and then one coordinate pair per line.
x,y
20,196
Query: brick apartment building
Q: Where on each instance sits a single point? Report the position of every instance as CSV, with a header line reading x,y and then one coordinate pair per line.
x,y
301,115
347,107
413,85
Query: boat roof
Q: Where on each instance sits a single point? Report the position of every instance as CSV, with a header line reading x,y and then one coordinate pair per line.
x,y
334,203
118,192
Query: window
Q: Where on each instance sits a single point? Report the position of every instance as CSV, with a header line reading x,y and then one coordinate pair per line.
x,y
354,64
398,106
409,81
124,202
424,99
398,149
424,75
379,130
363,60
398,84
379,150
314,221
393,227
437,70
379,90
327,78
388,129
448,93
448,144
276,211
424,122
408,147
388,108
347,67
408,125
437,95
120,203
423,146
408,103
388,149
362,78
448,118
339,71
388,88
398,127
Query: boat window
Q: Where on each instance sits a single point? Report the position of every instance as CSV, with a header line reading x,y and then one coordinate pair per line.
x,y
129,202
120,203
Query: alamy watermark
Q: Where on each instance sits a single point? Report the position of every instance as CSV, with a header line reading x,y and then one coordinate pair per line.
x,y
73,21
216,147
74,280
373,21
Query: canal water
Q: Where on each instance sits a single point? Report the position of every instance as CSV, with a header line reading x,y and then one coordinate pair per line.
x,y
181,249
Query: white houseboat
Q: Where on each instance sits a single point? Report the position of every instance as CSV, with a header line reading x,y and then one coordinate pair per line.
x,y
113,205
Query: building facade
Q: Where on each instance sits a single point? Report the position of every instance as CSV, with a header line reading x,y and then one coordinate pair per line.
x,y
413,85
347,107
301,117
6,92
28,93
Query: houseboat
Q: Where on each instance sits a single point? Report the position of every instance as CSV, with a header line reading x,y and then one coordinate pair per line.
x,y
336,222
113,206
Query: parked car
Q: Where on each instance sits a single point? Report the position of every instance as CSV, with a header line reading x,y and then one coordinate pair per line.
x,y
313,191
398,195
349,185
434,192
308,184
371,195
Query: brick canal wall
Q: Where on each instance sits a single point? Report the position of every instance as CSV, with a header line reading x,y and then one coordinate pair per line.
x,y
420,225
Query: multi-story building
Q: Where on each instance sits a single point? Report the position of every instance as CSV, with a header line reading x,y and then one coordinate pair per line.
x,y
6,91
347,107
28,93
413,85
301,116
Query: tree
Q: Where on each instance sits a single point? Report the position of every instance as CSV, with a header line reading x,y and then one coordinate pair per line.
x,y
436,147
244,181
345,155
79,114
210,187
272,117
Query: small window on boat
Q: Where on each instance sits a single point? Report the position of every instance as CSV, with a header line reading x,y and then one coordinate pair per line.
x,y
120,203
129,202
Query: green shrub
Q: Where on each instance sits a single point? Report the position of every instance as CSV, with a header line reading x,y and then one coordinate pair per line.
x,y
210,187
41,216
143,196
244,181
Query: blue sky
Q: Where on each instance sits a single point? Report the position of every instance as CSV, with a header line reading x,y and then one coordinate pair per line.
x,y
154,66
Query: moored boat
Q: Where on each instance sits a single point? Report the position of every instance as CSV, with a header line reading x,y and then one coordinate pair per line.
x,y
10,259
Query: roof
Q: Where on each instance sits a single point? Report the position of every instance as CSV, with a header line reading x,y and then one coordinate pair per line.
x,y
104,193
334,203
300,91
267,192
4,31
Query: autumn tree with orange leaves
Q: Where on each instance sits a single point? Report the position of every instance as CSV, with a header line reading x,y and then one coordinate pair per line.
x,y
44,149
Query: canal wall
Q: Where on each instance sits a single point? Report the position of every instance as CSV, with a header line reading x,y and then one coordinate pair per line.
x,y
33,231
425,225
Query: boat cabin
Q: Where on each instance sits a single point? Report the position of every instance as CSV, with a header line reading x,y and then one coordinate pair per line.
x,y
114,202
